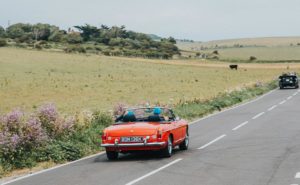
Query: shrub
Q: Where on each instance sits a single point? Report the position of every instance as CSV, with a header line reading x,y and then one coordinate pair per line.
x,y
3,42
46,135
106,53
75,49
215,52
19,137
252,58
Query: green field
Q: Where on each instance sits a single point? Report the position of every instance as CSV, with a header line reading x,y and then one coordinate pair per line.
x,y
283,53
264,49
78,82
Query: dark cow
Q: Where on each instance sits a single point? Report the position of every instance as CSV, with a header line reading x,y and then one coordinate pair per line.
x,y
233,66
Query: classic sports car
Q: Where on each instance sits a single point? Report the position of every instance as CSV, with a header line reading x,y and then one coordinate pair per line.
x,y
143,129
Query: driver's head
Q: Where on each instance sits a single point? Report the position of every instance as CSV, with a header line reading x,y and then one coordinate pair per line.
x,y
130,113
156,111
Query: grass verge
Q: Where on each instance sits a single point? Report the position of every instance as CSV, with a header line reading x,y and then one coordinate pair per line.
x,y
198,108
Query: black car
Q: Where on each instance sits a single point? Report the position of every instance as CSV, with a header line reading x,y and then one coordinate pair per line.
x,y
288,80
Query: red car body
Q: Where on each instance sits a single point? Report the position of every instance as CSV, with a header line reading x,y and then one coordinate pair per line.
x,y
141,135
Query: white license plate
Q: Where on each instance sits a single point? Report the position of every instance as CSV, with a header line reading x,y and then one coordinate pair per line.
x,y
131,139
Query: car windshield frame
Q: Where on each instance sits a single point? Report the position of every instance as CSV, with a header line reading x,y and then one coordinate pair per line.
x,y
142,115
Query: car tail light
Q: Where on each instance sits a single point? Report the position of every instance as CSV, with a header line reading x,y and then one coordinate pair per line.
x,y
104,136
159,134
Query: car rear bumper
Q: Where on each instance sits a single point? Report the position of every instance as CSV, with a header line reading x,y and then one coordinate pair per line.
x,y
117,145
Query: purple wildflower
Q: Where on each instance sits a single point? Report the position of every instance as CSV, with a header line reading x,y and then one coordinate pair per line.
x,y
48,112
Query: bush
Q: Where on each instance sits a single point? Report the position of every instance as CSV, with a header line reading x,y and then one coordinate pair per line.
x,y
215,52
252,58
45,135
75,49
3,42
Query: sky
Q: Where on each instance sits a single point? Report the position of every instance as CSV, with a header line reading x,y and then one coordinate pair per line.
x,y
200,20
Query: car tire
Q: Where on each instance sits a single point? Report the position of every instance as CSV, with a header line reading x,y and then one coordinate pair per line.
x,y
185,144
297,87
112,155
167,151
280,87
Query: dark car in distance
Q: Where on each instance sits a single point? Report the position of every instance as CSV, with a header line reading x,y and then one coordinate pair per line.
x,y
289,80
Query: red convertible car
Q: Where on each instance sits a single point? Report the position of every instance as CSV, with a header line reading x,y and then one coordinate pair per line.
x,y
143,129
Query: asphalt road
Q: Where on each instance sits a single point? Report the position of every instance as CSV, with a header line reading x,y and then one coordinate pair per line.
x,y
254,144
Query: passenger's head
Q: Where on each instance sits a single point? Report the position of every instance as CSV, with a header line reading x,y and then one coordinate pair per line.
x,y
156,111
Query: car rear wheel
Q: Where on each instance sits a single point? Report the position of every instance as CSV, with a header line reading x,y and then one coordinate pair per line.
x,y
185,144
167,151
112,155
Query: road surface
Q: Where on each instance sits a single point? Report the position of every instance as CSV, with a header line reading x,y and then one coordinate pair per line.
x,y
254,144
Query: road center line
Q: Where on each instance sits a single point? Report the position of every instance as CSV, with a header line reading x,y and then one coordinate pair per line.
x,y
213,141
290,97
297,176
240,125
273,107
282,102
258,115
153,172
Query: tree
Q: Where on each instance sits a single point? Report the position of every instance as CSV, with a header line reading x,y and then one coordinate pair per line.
x,y
15,32
88,32
43,31
2,32
172,40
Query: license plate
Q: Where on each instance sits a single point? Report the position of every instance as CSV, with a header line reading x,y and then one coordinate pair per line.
x,y
131,139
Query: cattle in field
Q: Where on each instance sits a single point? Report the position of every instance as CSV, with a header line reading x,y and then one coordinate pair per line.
x,y
233,66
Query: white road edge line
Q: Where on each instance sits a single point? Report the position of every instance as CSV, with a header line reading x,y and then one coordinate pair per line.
x,y
50,169
282,102
213,141
297,176
240,125
232,108
295,93
258,115
290,97
153,172
271,108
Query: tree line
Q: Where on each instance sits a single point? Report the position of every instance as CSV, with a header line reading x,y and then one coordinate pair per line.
x,y
115,40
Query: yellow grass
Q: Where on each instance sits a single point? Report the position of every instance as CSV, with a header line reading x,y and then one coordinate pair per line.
x,y
77,82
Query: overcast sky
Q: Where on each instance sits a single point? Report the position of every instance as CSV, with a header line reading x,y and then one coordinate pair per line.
x,y
191,19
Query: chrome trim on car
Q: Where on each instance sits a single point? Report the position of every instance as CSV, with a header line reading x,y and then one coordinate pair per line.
x,y
133,144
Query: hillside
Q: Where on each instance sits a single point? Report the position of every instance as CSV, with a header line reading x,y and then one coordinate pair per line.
x,y
273,49
262,41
